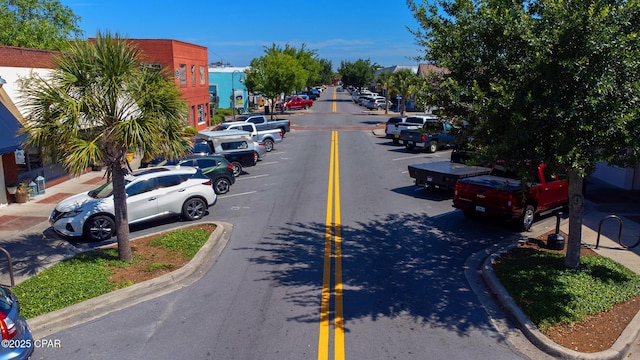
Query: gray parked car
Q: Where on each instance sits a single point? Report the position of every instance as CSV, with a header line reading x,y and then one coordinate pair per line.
x,y
151,193
376,104
17,341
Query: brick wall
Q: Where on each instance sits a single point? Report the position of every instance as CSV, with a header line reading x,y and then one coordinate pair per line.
x,y
11,56
172,53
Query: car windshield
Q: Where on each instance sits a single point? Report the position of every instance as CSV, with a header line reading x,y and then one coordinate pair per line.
x,y
201,147
5,300
219,127
414,120
103,190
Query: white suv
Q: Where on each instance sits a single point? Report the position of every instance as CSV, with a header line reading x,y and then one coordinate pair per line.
x,y
151,193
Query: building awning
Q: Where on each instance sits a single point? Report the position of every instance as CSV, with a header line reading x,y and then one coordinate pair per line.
x,y
10,138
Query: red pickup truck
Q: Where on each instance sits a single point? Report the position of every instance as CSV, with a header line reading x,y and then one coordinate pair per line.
x,y
294,102
501,194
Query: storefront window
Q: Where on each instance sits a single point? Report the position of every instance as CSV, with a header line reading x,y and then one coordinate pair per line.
x,y
28,160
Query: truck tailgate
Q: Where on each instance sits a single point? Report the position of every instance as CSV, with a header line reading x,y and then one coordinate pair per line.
x,y
447,168
443,173
487,193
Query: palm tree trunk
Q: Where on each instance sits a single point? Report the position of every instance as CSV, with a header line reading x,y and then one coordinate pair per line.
x,y
576,209
120,207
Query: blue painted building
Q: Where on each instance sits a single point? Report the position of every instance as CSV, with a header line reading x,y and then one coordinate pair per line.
x,y
223,82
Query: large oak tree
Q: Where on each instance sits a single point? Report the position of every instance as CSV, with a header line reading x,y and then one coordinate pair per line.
x,y
553,81
275,73
39,24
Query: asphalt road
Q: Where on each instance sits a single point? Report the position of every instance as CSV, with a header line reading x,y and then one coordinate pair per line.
x,y
401,260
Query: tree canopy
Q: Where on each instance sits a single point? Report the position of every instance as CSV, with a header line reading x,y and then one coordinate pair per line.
x,y
281,71
359,73
39,24
277,72
553,81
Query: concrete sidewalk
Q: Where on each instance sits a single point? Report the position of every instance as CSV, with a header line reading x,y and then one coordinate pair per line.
x,y
25,233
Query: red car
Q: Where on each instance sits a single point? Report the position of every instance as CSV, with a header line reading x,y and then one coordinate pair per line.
x,y
294,102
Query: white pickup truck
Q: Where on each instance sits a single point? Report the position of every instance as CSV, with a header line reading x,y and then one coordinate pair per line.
x,y
268,137
264,123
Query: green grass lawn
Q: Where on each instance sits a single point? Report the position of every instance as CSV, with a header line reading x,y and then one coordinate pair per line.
x,y
550,294
87,275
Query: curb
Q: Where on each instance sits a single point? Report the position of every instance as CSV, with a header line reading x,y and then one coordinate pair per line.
x,y
50,323
617,351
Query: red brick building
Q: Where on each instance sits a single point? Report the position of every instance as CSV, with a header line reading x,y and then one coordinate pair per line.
x,y
188,63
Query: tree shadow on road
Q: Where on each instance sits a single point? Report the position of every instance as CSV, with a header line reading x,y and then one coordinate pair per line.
x,y
396,265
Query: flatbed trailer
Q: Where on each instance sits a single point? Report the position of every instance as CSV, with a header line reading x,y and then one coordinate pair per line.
x,y
443,174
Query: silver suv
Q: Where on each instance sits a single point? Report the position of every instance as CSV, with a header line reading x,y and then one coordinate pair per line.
x,y
151,193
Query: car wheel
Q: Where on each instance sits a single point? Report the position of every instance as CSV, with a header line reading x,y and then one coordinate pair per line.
x,y
526,220
99,228
395,141
287,108
409,147
193,209
433,146
306,107
221,185
268,144
237,168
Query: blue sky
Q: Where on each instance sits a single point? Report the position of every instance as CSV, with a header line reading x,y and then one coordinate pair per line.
x,y
235,32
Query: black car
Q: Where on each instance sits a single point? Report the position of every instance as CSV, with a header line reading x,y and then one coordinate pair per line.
x,y
216,167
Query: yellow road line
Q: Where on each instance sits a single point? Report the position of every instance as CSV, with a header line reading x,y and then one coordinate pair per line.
x,y
332,234
335,104
323,340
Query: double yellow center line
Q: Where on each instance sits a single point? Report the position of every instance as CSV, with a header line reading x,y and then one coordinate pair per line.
x,y
332,237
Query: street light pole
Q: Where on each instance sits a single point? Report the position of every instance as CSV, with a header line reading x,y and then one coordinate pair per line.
x,y
233,94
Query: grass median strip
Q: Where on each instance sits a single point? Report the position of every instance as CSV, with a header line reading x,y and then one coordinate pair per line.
x,y
98,272
550,294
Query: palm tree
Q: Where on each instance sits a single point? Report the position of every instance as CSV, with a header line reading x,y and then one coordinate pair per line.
x,y
404,81
97,105
386,81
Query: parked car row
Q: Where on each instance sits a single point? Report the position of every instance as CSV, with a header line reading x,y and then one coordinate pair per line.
x,y
479,191
294,103
302,99
184,187
424,131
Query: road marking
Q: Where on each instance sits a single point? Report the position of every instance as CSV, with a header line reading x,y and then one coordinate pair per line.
x,y
234,195
411,157
332,238
251,177
267,163
334,106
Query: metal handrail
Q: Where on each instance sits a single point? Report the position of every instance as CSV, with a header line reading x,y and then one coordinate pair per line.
x,y
6,253
619,232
